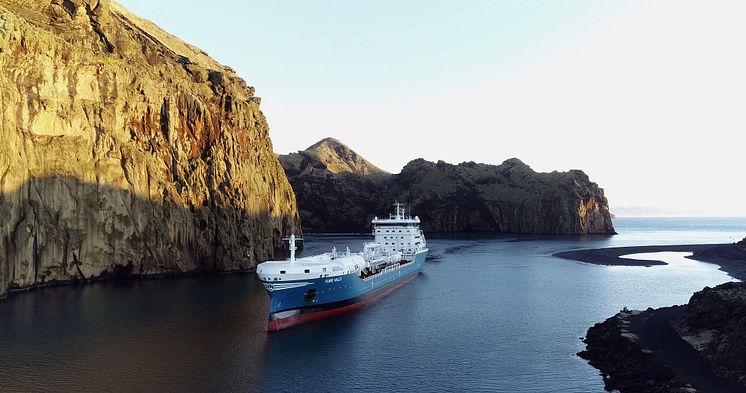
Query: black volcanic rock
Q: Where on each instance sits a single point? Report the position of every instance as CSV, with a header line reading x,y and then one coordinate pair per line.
x,y
715,325
342,193
697,347
626,366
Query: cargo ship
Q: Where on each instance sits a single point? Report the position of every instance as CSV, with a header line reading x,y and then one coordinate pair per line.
x,y
311,288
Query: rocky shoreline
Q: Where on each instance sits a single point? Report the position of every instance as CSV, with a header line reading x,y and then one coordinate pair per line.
x,y
697,347
639,351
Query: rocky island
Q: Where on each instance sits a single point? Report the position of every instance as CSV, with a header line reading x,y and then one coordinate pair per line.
x,y
340,191
126,152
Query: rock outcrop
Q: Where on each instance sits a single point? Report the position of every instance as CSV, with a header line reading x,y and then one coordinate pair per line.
x,y
626,365
697,347
337,189
506,198
715,325
125,151
329,155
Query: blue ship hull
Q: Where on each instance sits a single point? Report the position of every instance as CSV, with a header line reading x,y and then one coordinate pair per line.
x,y
302,301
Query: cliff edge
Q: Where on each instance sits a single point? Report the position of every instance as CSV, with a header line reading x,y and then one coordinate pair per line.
x,y
125,151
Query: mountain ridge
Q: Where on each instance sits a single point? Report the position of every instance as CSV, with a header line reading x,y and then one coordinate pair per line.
x,y
506,198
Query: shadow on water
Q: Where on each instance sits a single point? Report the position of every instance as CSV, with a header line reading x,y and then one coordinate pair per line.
x,y
186,333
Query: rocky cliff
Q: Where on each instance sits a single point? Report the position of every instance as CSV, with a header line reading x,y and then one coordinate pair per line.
x,y
506,198
125,151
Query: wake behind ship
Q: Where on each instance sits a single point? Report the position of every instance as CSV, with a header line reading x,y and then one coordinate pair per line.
x,y
315,287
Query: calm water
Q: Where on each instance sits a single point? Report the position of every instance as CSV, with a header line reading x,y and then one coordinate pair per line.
x,y
489,313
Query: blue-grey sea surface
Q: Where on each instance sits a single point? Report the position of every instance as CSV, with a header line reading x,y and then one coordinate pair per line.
x,y
488,313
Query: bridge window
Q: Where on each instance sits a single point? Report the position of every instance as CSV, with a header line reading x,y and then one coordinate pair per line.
x,y
282,272
307,271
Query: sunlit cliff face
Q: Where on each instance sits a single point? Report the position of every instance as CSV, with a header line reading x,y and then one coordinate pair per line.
x,y
126,151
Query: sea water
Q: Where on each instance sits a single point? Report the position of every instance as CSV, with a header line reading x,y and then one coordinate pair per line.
x,y
488,313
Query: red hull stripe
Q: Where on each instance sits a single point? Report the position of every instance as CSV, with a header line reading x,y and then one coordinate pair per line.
x,y
278,324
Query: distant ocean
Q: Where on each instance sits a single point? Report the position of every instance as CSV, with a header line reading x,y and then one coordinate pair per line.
x,y
488,313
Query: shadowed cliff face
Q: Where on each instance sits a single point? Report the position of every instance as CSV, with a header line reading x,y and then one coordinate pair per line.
x,y
102,112
67,230
509,198
506,198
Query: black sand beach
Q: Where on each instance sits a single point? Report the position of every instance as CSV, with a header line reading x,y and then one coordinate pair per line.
x,y
729,257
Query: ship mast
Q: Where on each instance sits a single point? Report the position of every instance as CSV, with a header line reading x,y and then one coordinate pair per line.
x,y
398,209
292,248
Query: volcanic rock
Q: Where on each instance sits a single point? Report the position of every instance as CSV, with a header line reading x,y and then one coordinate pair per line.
x,y
339,191
125,151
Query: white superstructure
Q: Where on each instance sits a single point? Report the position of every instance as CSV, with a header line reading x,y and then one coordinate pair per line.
x,y
399,232
397,239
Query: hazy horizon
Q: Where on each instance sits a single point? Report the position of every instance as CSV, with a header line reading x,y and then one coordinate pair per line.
x,y
644,97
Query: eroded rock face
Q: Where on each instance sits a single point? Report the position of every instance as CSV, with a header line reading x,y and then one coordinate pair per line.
x,y
506,198
125,151
715,325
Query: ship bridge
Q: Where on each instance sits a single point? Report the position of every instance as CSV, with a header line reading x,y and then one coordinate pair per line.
x,y
399,232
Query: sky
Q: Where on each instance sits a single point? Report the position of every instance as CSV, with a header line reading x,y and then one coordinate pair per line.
x,y
647,97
